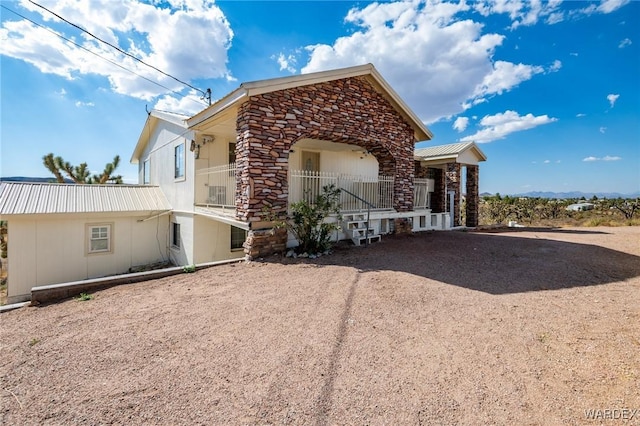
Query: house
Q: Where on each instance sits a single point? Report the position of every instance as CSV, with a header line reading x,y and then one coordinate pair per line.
x,y
65,232
229,170
580,207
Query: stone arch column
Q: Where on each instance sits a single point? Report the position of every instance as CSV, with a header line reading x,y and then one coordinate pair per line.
x,y
473,196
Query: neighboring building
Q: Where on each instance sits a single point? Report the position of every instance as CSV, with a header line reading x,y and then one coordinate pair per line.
x,y
580,207
228,170
67,232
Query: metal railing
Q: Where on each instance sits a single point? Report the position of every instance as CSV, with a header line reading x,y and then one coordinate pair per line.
x,y
378,190
421,193
369,206
216,186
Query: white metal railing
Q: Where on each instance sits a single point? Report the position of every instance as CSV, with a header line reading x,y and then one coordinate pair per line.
x,y
216,186
307,185
421,193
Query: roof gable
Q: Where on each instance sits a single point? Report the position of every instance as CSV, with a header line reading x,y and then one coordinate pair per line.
x,y
153,119
463,152
248,89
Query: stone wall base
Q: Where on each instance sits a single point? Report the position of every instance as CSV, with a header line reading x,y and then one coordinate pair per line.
x,y
403,225
264,242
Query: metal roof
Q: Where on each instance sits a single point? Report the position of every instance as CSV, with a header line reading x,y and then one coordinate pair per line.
x,y
448,151
47,198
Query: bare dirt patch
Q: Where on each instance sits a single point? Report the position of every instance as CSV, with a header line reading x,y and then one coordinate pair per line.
x,y
527,327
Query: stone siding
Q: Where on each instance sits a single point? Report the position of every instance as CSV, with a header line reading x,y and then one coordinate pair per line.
x,y
473,196
263,242
345,111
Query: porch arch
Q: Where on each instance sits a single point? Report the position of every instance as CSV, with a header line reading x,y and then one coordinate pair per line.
x,y
347,111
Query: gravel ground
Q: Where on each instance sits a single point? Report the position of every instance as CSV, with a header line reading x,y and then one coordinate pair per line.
x,y
524,327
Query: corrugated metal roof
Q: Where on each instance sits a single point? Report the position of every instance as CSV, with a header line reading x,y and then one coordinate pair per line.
x,y
444,151
47,198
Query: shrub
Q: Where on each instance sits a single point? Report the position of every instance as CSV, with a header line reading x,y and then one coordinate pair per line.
x,y
307,222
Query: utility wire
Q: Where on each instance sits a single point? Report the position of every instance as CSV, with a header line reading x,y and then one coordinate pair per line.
x,y
99,56
204,94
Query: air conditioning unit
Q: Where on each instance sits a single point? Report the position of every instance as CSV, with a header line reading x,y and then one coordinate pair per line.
x,y
217,195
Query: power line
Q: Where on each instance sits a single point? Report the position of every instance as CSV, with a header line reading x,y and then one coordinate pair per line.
x,y
99,56
205,95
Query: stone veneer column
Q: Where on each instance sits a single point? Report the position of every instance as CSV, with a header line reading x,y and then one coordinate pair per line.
x,y
438,200
453,184
473,196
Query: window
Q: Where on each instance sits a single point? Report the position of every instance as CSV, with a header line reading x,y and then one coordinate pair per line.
x,y
232,152
238,236
146,172
179,161
175,235
99,238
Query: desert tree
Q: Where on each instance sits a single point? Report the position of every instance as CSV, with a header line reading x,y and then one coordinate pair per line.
x,y
81,174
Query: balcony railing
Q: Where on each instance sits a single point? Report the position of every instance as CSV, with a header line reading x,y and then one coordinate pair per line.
x,y
307,185
421,193
216,186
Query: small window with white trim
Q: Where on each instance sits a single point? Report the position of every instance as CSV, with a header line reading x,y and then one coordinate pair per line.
x,y
99,238
179,161
146,172
175,235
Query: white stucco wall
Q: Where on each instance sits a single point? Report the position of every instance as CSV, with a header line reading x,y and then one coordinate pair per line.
x,y
212,241
160,152
52,249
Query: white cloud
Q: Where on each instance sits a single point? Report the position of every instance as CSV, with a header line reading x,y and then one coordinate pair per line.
x,y
522,13
461,124
573,54
612,99
581,115
555,66
547,161
188,105
188,41
608,6
501,125
602,129
438,62
81,104
605,6
624,43
605,158
286,62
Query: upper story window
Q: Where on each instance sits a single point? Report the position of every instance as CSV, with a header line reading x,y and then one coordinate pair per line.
x,y
146,172
232,152
179,161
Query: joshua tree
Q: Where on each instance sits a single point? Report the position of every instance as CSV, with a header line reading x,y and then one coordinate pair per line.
x,y
80,174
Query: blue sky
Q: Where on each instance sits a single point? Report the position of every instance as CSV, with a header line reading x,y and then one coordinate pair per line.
x,y
550,90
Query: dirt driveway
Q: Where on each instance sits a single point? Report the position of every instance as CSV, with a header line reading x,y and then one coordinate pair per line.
x,y
532,327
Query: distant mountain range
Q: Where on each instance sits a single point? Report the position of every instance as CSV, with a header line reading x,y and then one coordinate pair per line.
x,y
532,194
570,194
31,179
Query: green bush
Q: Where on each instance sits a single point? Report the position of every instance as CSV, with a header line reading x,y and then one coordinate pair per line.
x,y
307,222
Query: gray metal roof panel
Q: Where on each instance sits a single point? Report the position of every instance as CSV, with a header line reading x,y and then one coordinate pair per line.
x,y
46,198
